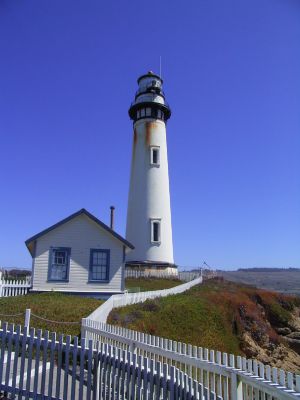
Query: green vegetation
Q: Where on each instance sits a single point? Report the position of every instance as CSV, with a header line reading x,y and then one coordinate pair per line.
x,y
67,308
145,284
215,314
53,306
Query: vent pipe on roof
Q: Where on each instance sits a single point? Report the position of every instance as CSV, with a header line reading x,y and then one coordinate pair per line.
x,y
112,211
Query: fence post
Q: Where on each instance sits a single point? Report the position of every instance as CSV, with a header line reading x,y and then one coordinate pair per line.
x,y
27,318
132,347
83,331
236,387
83,328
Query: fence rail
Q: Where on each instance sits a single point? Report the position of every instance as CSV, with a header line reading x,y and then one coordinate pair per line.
x,y
181,275
223,375
120,300
11,287
39,366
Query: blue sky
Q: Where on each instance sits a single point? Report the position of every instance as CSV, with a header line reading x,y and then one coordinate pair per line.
x,y
68,73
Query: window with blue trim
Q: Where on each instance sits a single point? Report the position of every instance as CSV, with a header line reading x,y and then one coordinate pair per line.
x,y
59,264
99,265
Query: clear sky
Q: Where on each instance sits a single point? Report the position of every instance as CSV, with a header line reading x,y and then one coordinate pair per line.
x,y
68,71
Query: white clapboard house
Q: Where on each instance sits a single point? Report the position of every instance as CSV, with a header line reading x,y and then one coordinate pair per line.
x,y
78,255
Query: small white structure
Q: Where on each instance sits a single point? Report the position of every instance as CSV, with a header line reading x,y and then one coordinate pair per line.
x,y
79,255
149,224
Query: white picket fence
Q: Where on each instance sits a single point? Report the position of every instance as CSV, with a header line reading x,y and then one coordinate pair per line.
x,y
120,300
181,275
41,366
14,287
223,375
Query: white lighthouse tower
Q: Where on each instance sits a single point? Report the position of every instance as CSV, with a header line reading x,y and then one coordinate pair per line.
x,y
149,225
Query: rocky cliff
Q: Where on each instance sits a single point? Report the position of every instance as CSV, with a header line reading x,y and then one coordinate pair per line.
x,y
225,316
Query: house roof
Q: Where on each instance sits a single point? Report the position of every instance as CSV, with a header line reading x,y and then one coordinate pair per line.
x,y
30,242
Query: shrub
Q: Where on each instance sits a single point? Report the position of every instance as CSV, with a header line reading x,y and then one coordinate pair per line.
x,y
132,317
150,305
278,316
114,317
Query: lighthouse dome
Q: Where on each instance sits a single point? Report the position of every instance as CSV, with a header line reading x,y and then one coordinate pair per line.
x,y
149,93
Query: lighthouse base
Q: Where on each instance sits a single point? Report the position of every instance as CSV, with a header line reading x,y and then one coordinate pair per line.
x,y
137,269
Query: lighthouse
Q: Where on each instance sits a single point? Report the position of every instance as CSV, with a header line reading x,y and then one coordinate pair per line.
x,y
149,225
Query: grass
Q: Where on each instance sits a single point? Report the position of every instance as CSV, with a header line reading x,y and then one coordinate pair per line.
x,y
145,284
185,317
215,314
53,306
67,308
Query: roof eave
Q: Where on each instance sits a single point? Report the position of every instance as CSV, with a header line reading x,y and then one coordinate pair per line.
x,y
74,215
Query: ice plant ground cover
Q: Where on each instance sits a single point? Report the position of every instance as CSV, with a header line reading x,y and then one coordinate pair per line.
x,y
52,306
224,316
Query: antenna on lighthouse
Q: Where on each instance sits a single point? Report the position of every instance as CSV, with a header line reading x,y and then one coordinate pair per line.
x,y
160,66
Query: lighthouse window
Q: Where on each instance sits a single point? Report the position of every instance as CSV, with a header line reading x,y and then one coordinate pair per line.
x,y
143,112
148,112
155,155
155,231
159,114
138,114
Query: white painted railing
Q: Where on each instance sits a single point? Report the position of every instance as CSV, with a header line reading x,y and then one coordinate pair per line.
x,y
181,275
223,375
120,300
14,287
41,366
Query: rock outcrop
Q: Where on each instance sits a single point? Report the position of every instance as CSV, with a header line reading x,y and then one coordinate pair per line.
x,y
282,351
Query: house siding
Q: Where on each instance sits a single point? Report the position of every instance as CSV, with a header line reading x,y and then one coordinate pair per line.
x,y
80,234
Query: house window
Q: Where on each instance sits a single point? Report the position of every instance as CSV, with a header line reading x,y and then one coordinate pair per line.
x,y
154,155
155,231
99,265
59,264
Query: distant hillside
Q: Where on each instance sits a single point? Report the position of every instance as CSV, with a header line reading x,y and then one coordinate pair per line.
x,y
284,280
264,269
224,316
15,273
